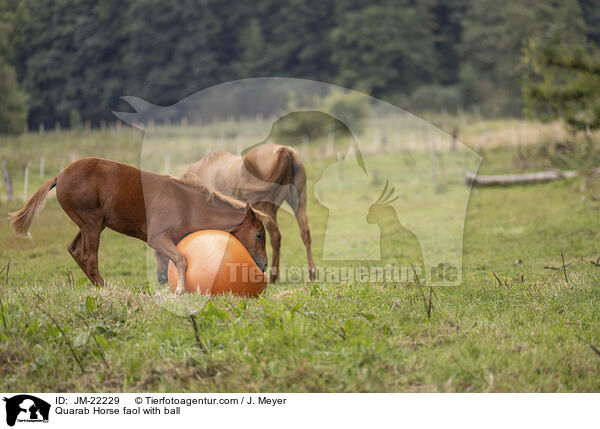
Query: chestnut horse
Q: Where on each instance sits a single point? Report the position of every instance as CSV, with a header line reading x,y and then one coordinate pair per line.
x,y
266,176
158,209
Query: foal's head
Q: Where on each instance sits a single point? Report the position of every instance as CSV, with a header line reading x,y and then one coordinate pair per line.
x,y
251,233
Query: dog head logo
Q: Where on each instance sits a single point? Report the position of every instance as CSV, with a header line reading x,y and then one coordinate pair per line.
x,y
26,408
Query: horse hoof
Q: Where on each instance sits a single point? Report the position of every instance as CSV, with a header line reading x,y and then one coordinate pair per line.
x,y
273,278
313,274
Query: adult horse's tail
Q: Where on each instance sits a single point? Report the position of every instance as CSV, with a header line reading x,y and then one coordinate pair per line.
x,y
21,221
285,156
297,194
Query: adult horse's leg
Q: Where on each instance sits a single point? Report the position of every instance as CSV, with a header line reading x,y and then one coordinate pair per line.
x,y
299,182
164,245
162,266
305,233
275,238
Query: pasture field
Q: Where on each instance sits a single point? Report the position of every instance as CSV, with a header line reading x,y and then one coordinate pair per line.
x,y
511,326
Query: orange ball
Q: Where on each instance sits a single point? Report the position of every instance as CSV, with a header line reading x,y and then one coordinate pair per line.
x,y
217,263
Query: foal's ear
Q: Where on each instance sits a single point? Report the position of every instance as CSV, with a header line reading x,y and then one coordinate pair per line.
x,y
249,212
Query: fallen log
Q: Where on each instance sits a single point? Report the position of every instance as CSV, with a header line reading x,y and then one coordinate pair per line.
x,y
519,179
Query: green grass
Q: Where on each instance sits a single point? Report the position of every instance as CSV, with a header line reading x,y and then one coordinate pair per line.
x,y
530,333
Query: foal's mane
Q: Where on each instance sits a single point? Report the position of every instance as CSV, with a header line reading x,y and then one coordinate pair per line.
x,y
192,180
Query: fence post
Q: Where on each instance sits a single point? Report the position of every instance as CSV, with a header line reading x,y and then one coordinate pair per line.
x,y
41,128
7,181
454,139
42,165
376,140
522,133
57,127
588,132
432,150
305,147
330,139
396,145
167,162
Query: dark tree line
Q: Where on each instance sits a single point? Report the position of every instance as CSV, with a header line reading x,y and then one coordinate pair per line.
x,y
72,59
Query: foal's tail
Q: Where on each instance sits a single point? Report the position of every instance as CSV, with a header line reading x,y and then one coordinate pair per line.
x,y
21,221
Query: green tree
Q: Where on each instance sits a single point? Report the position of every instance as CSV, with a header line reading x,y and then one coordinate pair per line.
x,y
382,48
252,61
563,80
294,37
443,20
591,15
492,41
72,58
176,48
77,55
13,103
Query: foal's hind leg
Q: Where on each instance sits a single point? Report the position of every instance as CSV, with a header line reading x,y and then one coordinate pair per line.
x,y
75,249
84,249
88,257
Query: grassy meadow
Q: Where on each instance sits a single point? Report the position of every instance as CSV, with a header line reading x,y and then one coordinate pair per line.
x,y
510,326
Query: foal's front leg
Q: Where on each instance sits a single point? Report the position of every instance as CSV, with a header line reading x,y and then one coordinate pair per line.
x,y
164,245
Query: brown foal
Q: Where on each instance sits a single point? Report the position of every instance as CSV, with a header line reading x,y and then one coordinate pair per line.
x,y
158,209
265,177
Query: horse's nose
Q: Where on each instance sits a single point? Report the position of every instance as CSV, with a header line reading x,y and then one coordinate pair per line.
x,y
264,268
